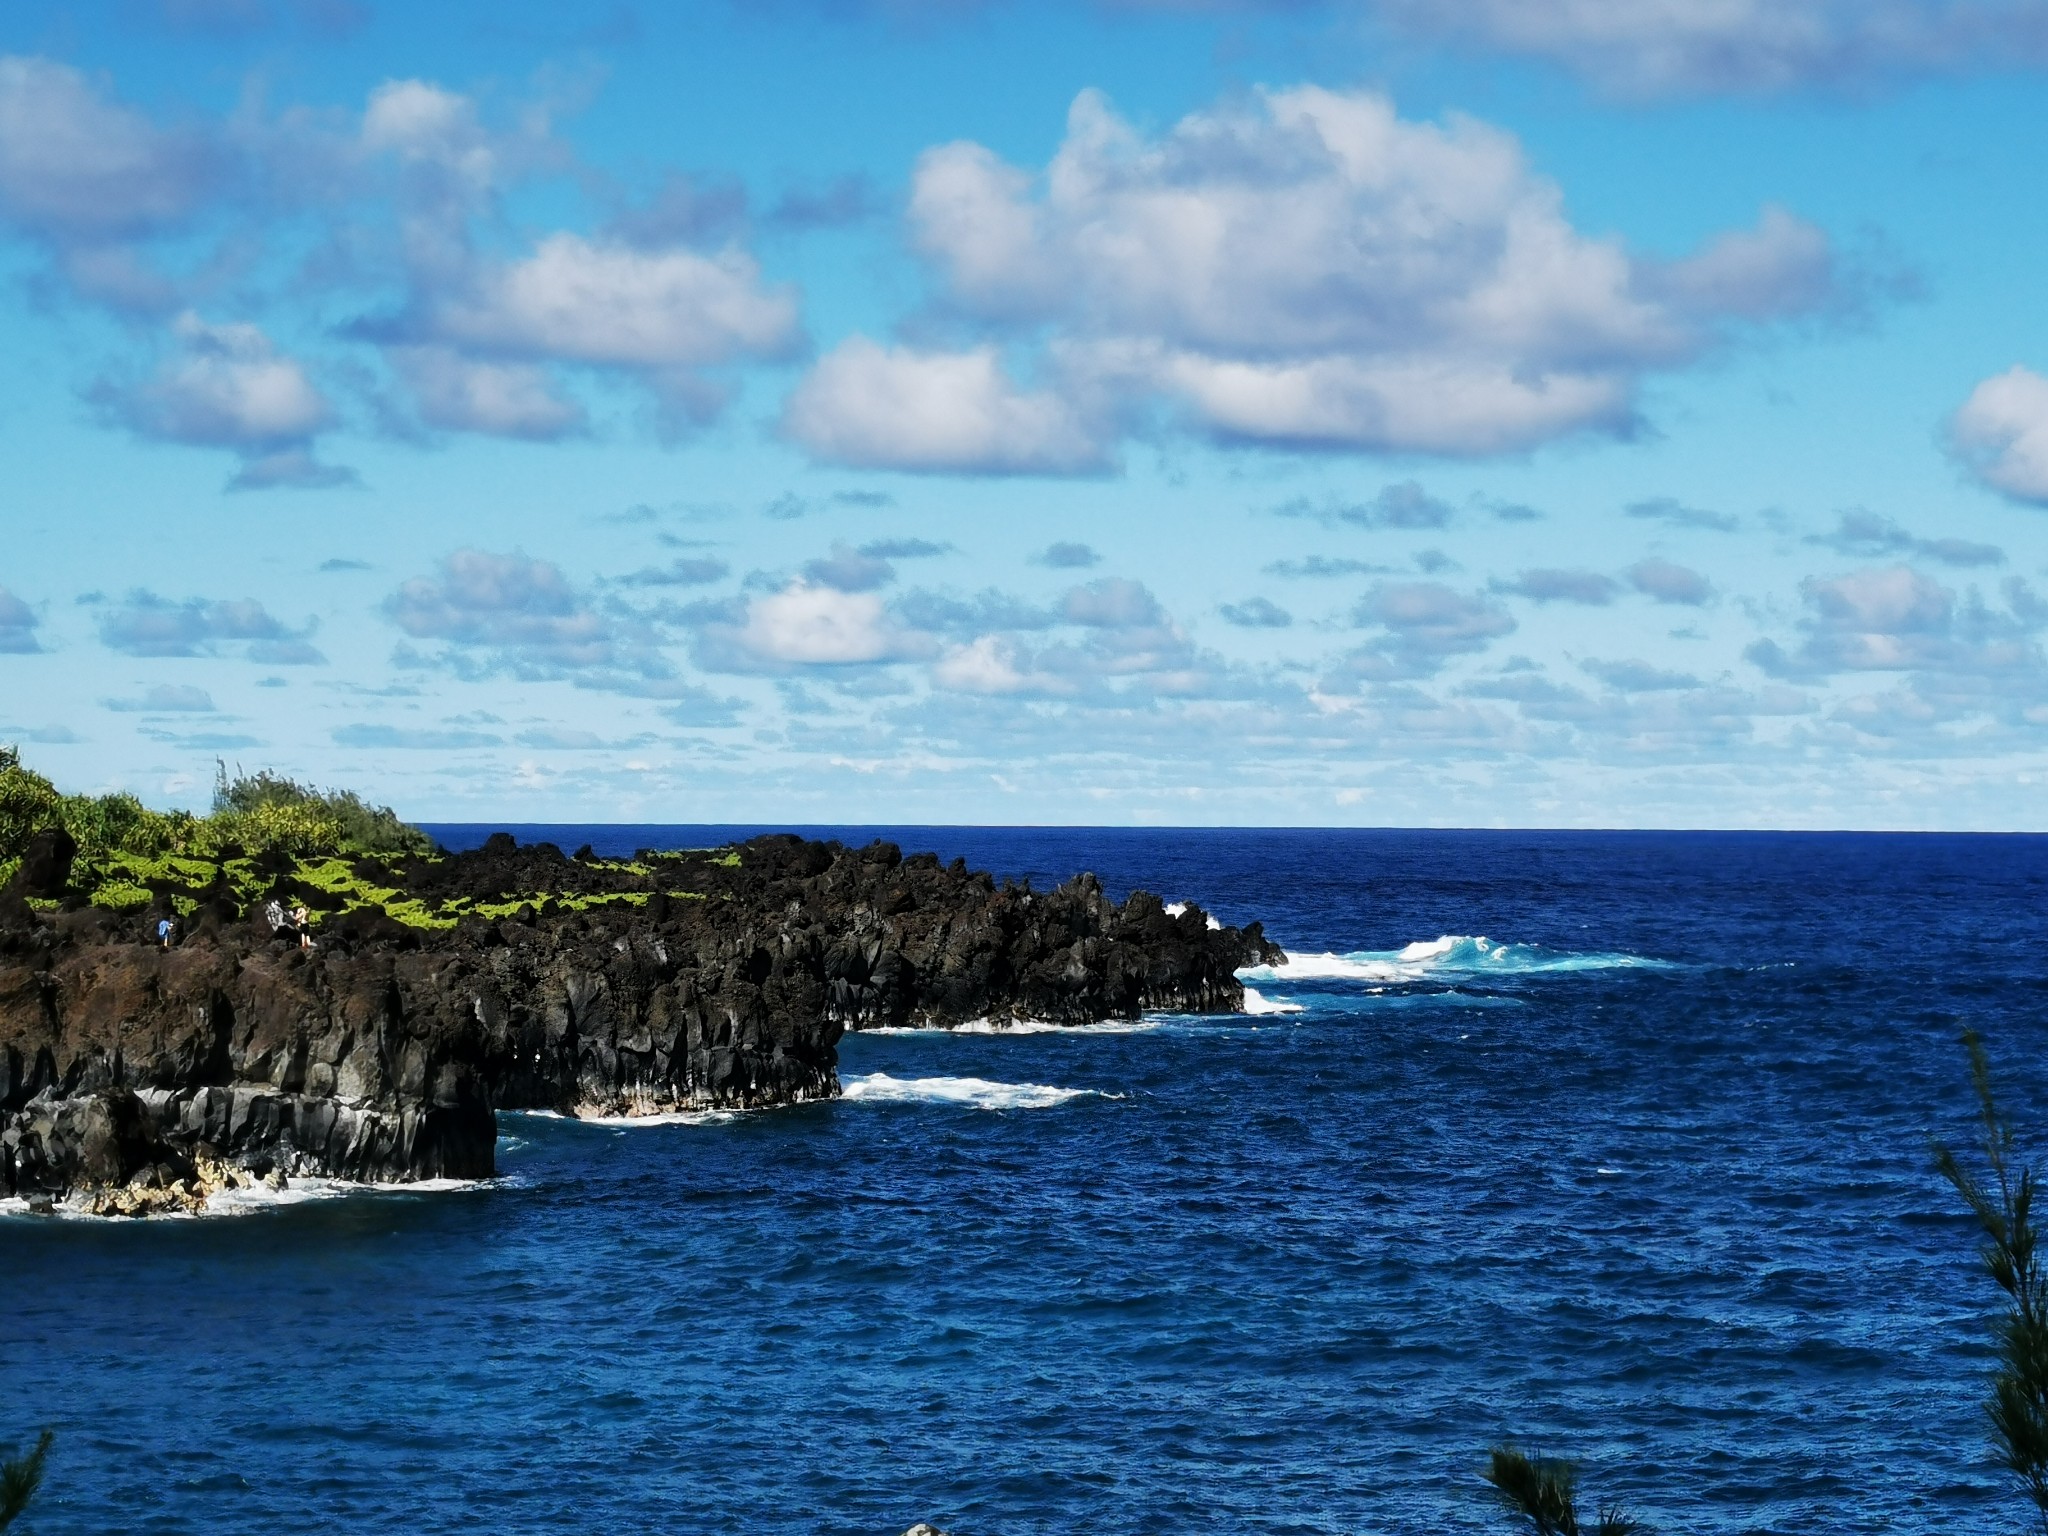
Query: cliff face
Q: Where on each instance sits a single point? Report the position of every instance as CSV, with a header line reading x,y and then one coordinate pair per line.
x,y
147,1077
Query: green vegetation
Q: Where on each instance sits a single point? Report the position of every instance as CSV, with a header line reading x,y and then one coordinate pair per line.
x,y
20,1478
129,855
2002,1200
264,810
1545,1492
268,835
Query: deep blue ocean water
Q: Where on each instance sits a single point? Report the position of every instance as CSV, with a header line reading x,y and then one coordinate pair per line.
x,y
1645,1181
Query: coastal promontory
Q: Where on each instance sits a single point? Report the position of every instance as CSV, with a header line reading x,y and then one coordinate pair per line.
x,y
302,985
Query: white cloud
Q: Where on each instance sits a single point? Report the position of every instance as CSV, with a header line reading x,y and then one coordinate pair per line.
x,y
461,394
575,300
423,122
901,408
991,665
522,608
2001,434
1303,269
227,386
1666,581
1894,619
79,168
1658,47
823,626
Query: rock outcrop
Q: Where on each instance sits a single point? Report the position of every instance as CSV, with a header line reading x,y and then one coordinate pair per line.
x,y
144,1077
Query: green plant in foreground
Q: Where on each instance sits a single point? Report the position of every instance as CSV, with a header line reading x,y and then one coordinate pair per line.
x,y
20,1478
2002,1200
1545,1492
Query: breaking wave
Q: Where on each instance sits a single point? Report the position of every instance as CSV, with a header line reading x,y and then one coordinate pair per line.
x,y
966,1092
1453,956
1019,1027
1259,1006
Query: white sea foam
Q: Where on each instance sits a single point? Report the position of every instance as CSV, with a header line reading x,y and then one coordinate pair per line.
x,y
1175,908
1452,956
665,1117
967,1092
247,1202
1021,1027
1260,1006
655,1117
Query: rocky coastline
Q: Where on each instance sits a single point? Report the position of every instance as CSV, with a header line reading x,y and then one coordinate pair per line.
x,y
138,1078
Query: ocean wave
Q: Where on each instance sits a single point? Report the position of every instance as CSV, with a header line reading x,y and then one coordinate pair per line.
x,y
1018,1027
653,1117
1259,1006
967,1092
1454,955
251,1201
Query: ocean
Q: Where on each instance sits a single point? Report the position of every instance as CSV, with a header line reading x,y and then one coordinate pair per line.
x,y
1615,1145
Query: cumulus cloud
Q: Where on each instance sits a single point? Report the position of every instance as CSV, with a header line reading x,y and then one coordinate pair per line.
x,y
994,665
144,624
1303,269
17,626
850,570
228,387
945,412
1114,602
1894,619
1687,47
578,300
463,394
1638,676
1868,536
815,625
165,699
1561,586
1425,624
523,610
1665,581
88,177
2001,434
1257,613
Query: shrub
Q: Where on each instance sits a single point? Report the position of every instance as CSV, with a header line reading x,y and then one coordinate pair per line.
x,y
108,824
28,803
288,812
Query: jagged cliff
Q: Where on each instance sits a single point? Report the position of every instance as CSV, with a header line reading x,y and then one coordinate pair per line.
x,y
142,1076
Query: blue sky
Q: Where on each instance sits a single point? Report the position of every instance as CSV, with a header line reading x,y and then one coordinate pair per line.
x,y
1358,412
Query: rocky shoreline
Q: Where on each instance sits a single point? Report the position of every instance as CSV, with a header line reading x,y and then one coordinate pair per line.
x,y
136,1078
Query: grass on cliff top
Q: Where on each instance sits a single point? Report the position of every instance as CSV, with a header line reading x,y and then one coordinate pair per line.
x,y
265,832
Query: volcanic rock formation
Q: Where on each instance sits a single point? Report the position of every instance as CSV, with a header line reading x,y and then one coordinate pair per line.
x,y
142,1077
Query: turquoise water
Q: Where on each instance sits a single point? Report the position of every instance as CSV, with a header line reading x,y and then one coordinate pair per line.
x,y
1642,1178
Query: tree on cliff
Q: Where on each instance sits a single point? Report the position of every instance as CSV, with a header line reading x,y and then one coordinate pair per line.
x,y
2002,1200
20,1478
1545,1492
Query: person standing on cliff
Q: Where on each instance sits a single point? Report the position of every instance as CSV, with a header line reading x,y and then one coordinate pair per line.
x,y
166,930
303,921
